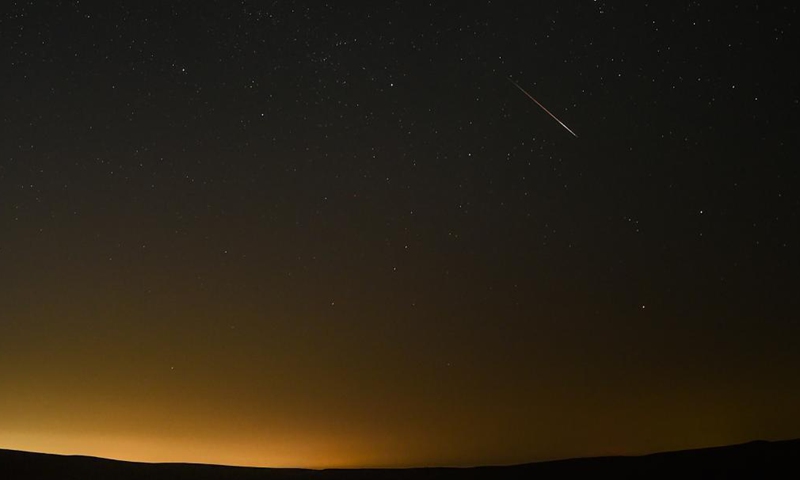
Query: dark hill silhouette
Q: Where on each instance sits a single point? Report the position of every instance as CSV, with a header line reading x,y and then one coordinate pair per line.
x,y
760,459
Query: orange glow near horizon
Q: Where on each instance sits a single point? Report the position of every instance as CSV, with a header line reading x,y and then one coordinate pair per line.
x,y
506,432
277,454
330,399
271,394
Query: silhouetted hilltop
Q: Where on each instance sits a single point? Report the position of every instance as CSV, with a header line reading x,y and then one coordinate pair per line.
x,y
758,459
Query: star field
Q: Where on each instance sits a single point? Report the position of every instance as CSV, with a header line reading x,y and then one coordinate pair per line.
x,y
318,234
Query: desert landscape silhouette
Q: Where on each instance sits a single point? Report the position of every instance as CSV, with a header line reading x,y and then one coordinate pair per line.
x,y
758,459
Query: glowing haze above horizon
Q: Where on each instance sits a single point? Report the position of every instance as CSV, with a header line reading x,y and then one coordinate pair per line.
x,y
323,235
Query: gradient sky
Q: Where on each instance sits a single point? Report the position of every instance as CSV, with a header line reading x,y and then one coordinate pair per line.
x,y
334,234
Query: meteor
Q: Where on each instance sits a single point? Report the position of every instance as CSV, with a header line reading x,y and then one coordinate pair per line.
x,y
543,107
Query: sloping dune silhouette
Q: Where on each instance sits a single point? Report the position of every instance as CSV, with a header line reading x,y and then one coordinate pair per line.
x,y
759,459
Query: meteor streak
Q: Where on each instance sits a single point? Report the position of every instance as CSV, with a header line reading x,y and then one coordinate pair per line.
x,y
543,107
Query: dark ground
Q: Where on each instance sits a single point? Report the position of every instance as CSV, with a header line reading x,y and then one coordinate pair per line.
x,y
759,459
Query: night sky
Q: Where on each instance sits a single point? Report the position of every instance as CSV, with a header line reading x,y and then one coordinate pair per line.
x,y
327,234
